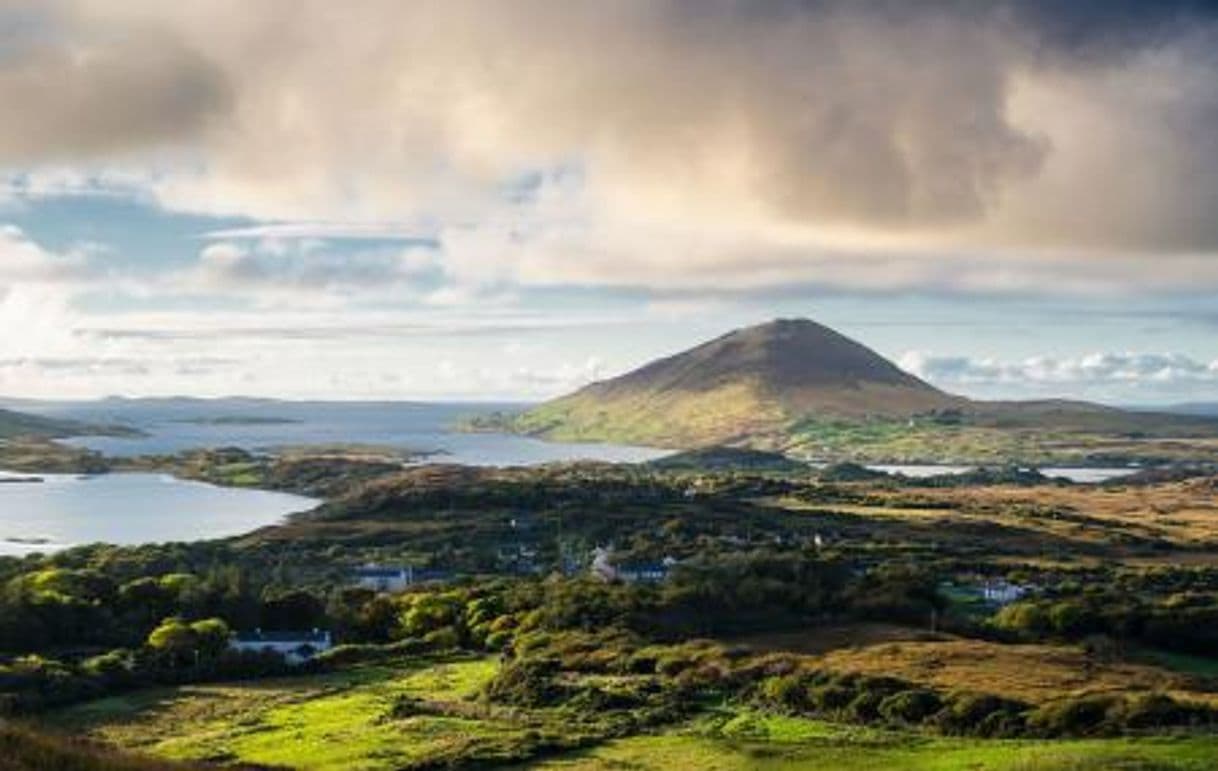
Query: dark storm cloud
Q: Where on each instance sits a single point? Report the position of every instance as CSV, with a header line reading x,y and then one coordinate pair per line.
x,y
1112,28
70,94
711,136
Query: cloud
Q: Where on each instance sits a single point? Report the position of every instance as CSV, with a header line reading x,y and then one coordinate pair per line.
x,y
1130,372
93,91
324,231
719,143
309,266
24,261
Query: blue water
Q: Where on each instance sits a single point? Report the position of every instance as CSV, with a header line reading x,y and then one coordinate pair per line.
x,y
66,510
405,425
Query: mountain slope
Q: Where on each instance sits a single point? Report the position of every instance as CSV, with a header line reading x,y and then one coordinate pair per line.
x,y
746,386
796,386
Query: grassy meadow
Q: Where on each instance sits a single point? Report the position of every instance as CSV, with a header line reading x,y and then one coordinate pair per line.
x,y
347,721
748,743
353,719
331,721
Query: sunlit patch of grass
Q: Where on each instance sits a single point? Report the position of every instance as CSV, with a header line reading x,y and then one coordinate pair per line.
x,y
769,743
333,721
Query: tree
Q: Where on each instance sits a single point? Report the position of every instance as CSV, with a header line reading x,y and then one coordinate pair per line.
x,y
1027,619
175,642
211,636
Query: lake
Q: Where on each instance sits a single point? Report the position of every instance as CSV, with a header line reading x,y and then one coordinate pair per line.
x,y
65,510
182,424
1079,475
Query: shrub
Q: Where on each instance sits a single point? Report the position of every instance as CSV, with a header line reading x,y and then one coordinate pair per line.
x,y
673,665
443,639
497,641
828,698
525,683
1073,717
910,707
1026,619
785,692
865,706
1151,710
971,713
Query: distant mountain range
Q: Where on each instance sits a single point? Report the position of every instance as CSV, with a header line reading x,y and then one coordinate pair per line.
x,y
793,384
1195,408
14,424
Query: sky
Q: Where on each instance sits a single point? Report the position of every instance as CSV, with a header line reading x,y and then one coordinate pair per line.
x,y
465,200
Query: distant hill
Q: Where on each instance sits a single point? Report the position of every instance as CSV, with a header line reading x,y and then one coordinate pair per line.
x,y
793,385
746,384
728,459
14,424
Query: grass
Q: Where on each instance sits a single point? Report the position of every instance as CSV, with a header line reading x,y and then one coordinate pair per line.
x,y
347,720
1032,673
332,721
821,639
24,750
767,743
1172,523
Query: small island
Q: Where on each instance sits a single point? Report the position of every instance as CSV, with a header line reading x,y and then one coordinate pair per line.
x,y
28,541
20,480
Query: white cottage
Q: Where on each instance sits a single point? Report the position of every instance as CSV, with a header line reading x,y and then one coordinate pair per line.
x,y
295,647
381,578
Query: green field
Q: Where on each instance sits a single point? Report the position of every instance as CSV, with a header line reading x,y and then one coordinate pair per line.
x,y
785,744
334,721
347,721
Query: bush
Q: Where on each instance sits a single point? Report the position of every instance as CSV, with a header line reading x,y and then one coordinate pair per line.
x,y
1151,710
673,665
980,715
1026,619
865,706
525,683
1082,716
910,707
829,698
443,639
786,692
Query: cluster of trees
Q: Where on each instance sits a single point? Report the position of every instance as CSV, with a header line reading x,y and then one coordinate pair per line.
x,y
175,651
1186,623
51,608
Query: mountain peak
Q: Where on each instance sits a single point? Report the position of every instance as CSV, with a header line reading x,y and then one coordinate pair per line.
x,y
777,356
755,381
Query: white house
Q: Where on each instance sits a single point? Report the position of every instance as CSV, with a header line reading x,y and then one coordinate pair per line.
x,y
295,647
646,572
1002,592
380,578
